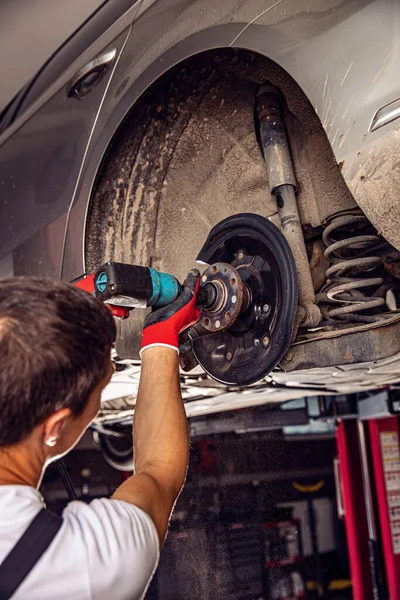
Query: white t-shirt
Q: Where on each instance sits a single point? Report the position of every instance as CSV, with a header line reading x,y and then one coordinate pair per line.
x,y
105,549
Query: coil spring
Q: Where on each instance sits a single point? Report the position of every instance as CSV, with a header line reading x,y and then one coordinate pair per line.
x,y
350,257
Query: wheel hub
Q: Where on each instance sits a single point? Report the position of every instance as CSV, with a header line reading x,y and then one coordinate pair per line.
x,y
223,290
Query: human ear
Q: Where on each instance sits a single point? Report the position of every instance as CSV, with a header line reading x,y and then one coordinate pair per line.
x,y
54,425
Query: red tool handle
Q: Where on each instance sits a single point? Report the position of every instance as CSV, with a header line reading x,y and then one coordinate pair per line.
x,y
87,283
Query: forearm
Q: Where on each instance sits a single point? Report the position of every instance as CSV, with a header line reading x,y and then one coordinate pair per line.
x,y
161,444
160,432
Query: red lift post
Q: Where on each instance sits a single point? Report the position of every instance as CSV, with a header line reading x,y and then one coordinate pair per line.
x,y
384,438
369,466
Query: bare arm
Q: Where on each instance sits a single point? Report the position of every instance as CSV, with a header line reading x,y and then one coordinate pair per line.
x,y
161,444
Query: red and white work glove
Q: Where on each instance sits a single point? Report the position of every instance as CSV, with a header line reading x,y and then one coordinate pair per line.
x,y
163,326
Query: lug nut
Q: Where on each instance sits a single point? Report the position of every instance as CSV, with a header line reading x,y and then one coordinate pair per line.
x,y
265,340
217,324
265,308
229,356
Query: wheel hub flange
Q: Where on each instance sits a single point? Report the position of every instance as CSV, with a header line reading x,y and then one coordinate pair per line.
x,y
222,283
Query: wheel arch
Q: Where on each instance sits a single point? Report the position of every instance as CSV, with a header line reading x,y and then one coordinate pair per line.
x,y
215,39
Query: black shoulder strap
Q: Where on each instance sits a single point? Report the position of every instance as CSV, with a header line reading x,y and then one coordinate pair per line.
x,y
27,551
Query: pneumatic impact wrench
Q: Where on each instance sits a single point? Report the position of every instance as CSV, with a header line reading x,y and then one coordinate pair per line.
x,y
124,287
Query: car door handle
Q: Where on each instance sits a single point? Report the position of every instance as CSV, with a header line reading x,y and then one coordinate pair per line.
x,y
89,75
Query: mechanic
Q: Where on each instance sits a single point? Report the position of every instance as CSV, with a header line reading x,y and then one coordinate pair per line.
x,y
55,343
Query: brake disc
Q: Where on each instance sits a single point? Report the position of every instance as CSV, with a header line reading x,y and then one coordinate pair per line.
x,y
248,334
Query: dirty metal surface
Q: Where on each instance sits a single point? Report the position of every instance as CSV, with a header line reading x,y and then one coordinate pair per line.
x,y
370,342
318,264
391,262
374,179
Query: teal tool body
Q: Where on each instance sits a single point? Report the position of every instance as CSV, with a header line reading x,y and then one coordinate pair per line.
x,y
134,286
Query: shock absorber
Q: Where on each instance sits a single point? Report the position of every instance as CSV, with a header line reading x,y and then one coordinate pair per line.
x,y
282,183
351,271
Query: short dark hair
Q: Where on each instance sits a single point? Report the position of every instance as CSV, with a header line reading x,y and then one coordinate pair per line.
x,y
55,343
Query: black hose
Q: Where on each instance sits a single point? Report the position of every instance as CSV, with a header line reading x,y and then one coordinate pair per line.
x,y
66,479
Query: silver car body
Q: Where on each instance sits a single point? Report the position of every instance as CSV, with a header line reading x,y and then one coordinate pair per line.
x,y
343,54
